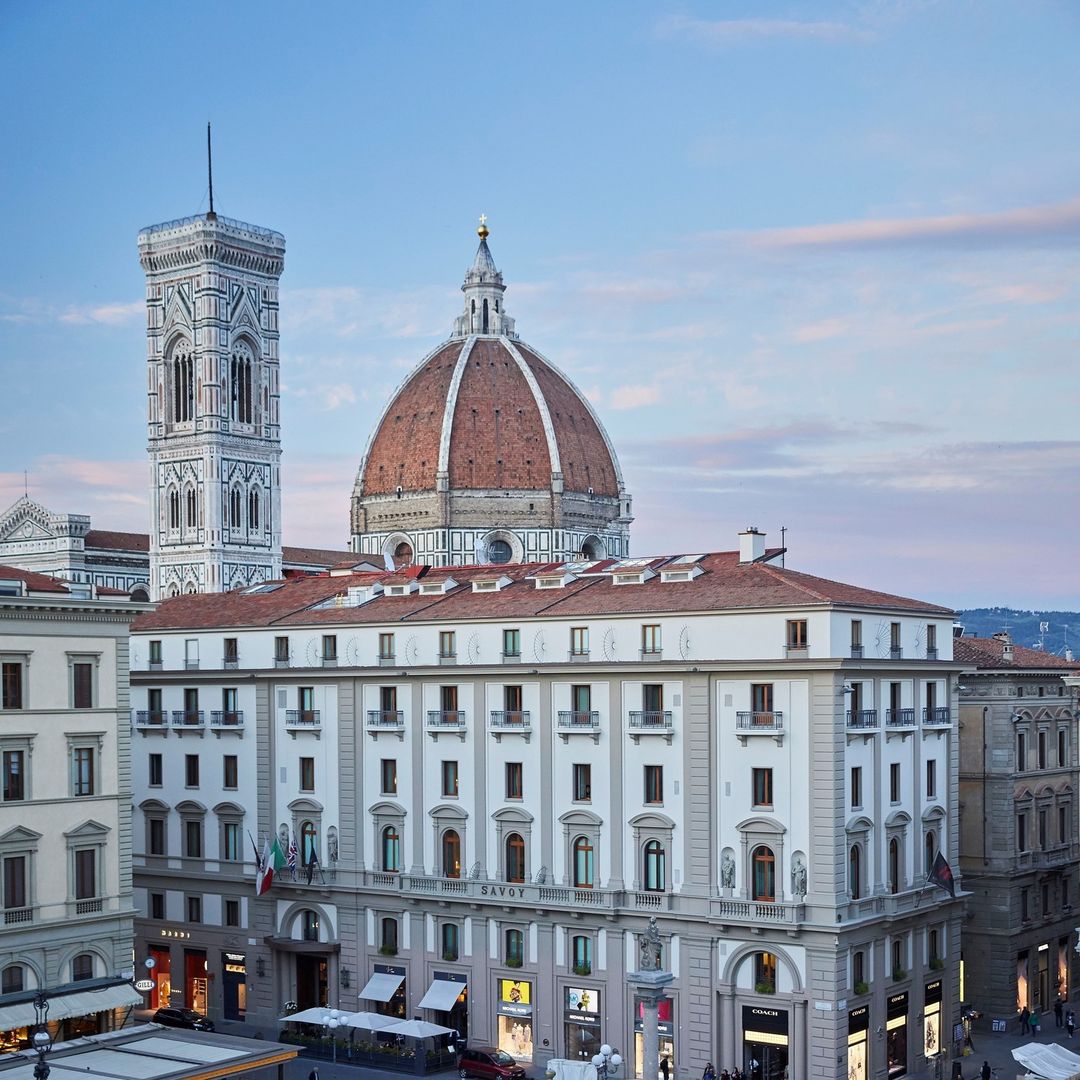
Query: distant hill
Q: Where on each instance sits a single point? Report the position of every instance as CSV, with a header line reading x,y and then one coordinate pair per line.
x,y
1063,628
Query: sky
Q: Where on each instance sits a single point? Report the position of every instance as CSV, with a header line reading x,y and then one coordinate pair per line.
x,y
816,265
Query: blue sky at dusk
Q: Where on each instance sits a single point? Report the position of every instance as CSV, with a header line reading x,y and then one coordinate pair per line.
x,y
816,265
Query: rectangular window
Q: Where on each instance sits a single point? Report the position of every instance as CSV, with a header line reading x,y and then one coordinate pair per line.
x,y
796,634
1025,904
388,776
155,836
762,787
191,770
388,699
894,782
191,705
582,783
1063,749
157,905
652,697
386,646
856,637
230,700
305,701
448,699
512,698
579,641
194,909
931,641
155,653
329,647
1042,749
191,653
307,774
82,686
82,771
1021,832
231,841
1021,751
447,644
1063,824
858,968
11,684
231,651
86,885
232,912
897,957
650,639
450,779
514,786
154,708
156,771
511,643
193,839
281,650
581,702
14,775
1043,838
1045,897
761,697
856,786
931,779
15,891
230,772
894,637
654,784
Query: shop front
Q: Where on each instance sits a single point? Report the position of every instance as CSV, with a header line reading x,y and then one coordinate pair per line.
x,y
161,976
385,990
515,1018
896,1034
234,985
858,1045
932,1019
666,1028
196,982
765,1041
581,1023
448,998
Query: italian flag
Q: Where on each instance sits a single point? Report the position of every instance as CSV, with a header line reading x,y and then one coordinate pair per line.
x,y
270,862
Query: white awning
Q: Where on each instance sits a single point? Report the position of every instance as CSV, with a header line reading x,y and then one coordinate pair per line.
x,y
441,995
63,1006
381,987
1048,1060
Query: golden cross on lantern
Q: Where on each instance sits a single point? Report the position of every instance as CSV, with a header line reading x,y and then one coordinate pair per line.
x,y
483,231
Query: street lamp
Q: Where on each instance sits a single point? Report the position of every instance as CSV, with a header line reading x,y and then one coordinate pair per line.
x,y
41,1041
607,1062
330,1022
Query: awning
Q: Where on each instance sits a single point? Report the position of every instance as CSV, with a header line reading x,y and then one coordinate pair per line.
x,y
1048,1060
63,1006
381,987
441,995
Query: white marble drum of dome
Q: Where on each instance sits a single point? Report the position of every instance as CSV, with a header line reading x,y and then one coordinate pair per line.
x,y
488,453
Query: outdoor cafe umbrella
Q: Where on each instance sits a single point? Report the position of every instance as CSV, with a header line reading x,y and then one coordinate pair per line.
x,y
369,1021
418,1029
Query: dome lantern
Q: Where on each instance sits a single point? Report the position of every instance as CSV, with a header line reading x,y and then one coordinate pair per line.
x,y
485,312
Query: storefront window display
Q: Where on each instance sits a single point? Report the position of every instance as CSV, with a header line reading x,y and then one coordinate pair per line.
x,y
666,1029
161,974
234,985
765,1041
581,1022
932,1019
857,1042
515,1020
896,1033
195,980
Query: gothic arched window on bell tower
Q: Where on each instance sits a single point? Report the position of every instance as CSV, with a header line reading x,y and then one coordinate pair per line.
x,y
486,325
253,510
241,370
183,382
174,509
190,521
234,508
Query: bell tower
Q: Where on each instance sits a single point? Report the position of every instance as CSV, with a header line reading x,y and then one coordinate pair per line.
x,y
213,397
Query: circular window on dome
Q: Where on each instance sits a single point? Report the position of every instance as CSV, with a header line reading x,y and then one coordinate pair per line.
x,y
499,551
403,554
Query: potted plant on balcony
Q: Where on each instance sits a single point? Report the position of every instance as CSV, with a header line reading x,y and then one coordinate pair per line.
x,y
862,988
388,950
582,969
765,987
936,963
513,961
898,974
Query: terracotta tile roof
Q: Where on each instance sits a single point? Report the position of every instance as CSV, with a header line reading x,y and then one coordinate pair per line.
x,y
724,584
34,582
323,558
117,541
989,653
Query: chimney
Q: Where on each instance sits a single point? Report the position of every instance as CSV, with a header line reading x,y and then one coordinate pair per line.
x,y
1006,646
751,545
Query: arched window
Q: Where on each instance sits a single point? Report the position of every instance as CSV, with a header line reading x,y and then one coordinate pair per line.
x,y
308,841
515,948
234,508
451,854
449,941
389,941
931,850
894,865
309,925
391,849
764,874
583,863
82,967
174,508
855,872
515,858
189,509
655,876
499,551
174,590
581,954
183,383
403,554
253,510
486,324
241,366
13,979
765,973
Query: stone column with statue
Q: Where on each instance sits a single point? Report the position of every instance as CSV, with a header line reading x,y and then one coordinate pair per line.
x,y
650,982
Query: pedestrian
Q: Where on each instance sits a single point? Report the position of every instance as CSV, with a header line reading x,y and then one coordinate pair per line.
x,y
314,1074
755,1069
665,1068
1025,1021
1035,1023
1059,1011
709,1073
725,1075
985,1071
1070,1022
736,1073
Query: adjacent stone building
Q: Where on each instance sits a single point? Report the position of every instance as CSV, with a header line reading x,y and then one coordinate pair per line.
x,y
1019,779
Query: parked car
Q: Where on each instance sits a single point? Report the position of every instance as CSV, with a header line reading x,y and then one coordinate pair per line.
x,y
183,1018
489,1063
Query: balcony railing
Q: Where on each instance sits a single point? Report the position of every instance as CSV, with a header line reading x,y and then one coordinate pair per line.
x,y
651,722
577,656
18,915
303,718
896,652
931,652
448,658
759,723
149,718
756,912
192,665
512,657
230,663
281,661
510,721
386,719
329,661
224,718
856,652
387,661
899,717
937,717
449,721
579,722
862,718
89,907
188,718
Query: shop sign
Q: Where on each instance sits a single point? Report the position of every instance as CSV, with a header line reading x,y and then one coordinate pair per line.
x,y
235,963
502,890
144,986
583,1000
446,976
515,997
933,992
175,933
757,1018
859,1019
388,969
896,1005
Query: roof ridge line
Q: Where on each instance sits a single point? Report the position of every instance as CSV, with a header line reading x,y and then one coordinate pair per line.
x,y
773,572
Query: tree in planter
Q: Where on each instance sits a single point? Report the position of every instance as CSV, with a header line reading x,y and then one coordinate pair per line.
x,y
582,969
449,955
765,988
862,988
898,974
936,963
513,961
388,950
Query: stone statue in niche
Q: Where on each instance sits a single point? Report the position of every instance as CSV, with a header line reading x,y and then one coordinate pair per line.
x,y
727,871
798,877
332,844
649,948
